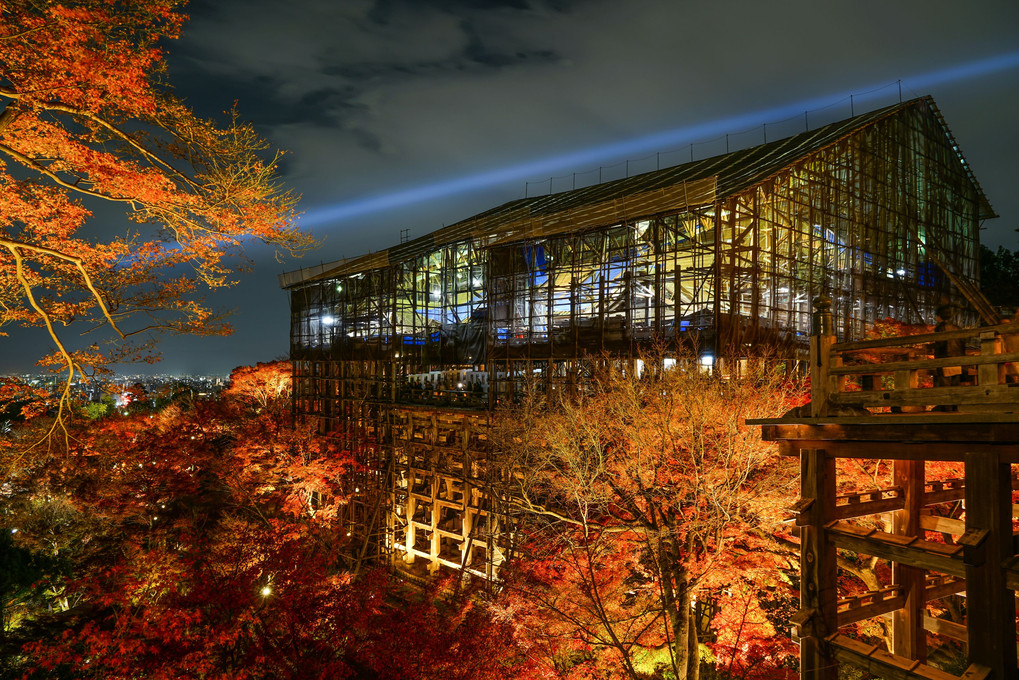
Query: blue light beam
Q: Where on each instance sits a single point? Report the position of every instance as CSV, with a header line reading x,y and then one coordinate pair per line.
x,y
341,211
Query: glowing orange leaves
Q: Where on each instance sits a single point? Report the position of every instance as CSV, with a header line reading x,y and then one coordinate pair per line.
x,y
85,119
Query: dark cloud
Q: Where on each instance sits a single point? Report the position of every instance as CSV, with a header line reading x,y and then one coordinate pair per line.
x,y
383,11
376,96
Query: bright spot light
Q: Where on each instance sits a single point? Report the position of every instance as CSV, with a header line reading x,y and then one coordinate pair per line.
x,y
328,320
900,272
345,210
707,360
459,386
266,591
14,531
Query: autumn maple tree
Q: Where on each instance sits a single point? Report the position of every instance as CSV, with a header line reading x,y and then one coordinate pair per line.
x,y
643,495
200,540
87,118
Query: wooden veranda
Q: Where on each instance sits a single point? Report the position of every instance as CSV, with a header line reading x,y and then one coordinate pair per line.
x,y
887,399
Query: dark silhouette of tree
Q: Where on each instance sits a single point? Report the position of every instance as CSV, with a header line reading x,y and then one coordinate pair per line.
x,y
999,276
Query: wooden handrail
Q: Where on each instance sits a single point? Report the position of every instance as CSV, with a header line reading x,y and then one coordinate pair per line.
x,y
921,364
833,363
902,340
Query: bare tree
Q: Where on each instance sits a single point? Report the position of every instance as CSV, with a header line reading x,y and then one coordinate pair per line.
x,y
645,488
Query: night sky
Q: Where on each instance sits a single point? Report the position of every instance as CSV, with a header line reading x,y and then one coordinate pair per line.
x,y
413,114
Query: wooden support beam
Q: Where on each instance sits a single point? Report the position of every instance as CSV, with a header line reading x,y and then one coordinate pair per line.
x,y
990,605
908,637
983,394
869,605
976,672
945,495
818,571
868,503
943,586
915,552
933,428
897,450
1011,568
924,364
949,629
887,600
945,525
881,663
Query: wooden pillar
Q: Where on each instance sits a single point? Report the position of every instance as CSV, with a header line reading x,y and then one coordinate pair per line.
x,y
821,340
990,604
412,504
818,578
434,544
908,636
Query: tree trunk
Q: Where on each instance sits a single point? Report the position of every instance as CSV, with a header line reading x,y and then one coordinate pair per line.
x,y
676,605
693,656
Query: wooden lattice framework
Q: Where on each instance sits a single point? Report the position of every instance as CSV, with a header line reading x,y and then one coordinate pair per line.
x,y
720,256
903,414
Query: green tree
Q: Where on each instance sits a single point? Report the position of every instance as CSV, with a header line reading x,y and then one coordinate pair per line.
x,y
999,276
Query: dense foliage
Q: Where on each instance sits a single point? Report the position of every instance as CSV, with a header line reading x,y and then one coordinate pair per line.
x,y
199,541
87,120
999,276
653,516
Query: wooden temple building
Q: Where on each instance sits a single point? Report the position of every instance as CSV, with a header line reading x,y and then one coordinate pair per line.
x,y
405,355
949,429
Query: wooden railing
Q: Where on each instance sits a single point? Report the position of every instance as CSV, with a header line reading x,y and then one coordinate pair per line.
x,y
901,375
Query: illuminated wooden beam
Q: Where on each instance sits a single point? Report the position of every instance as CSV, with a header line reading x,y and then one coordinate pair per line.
x,y
945,559
869,605
868,503
890,666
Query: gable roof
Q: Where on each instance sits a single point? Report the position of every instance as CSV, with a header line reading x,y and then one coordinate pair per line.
x,y
691,184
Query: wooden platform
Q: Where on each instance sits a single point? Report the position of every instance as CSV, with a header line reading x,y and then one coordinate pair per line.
x,y
889,400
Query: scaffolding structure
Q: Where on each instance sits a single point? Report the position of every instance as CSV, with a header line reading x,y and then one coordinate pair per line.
x,y
880,212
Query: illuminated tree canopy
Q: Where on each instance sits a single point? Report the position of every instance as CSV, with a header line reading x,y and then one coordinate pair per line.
x,y
87,118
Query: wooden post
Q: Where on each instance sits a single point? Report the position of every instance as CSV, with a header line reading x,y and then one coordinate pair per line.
x,y
990,605
908,636
818,592
412,504
821,340
990,374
